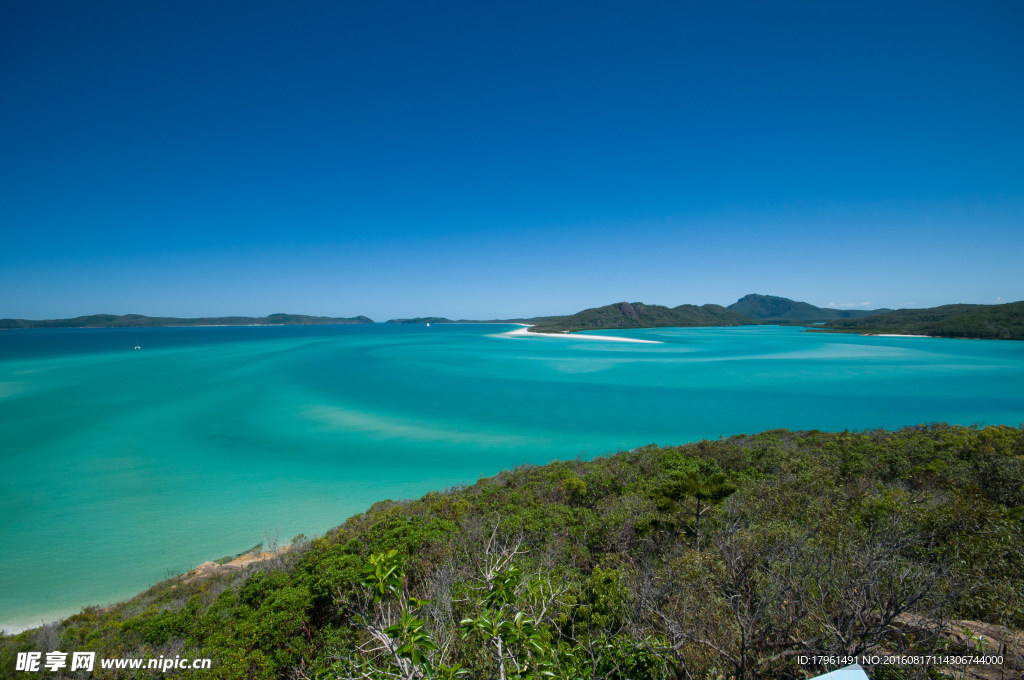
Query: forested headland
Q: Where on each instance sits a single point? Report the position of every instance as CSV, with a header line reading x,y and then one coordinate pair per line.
x,y
1001,322
640,315
990,322
718,559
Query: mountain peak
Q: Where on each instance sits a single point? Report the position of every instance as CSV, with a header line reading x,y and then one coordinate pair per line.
x,y
774,308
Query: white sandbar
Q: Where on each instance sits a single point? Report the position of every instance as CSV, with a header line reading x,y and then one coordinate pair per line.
x,y
895,335
525,332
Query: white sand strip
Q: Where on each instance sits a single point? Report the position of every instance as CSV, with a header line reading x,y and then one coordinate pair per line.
x,y
525,332
894,335
15,628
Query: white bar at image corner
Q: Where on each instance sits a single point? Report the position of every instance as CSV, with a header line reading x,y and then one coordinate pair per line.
x,y
851,672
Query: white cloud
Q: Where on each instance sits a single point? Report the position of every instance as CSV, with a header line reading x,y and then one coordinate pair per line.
x,y
848,305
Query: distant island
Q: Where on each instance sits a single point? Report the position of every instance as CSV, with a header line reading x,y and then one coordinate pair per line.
x,y
141,321
422,320
1002,322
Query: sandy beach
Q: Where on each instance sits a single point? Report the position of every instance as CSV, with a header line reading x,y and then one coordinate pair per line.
x,y
203,571
15,628
525,332
894,335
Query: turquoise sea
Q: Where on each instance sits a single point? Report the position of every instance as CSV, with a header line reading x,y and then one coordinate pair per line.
x,y
123,466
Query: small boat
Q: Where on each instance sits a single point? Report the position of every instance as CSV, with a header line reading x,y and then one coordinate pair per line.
x,y
428,324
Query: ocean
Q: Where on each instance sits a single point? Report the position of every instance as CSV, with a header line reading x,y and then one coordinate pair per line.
x,y
122,466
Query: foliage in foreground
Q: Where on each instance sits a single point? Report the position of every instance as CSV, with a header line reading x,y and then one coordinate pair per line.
x,y
718,559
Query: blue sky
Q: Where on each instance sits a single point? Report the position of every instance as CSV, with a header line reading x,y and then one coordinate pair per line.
x,y
481,160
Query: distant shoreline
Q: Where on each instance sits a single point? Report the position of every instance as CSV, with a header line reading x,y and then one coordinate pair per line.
x,y
252,325
144,321
187,325
883,335
1004,321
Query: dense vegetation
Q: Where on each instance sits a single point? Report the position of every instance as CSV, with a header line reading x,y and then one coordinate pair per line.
x,y
718,559
749,309
141,321
769,308
994,322
1004,322
639,315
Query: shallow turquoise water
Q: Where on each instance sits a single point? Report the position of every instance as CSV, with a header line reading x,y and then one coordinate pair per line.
x,y
123,466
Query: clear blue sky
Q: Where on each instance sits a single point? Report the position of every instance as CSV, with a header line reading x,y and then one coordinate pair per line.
x,y
495,159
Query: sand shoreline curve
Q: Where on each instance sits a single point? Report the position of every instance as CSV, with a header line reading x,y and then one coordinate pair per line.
x,y
525,332
200,573
894,335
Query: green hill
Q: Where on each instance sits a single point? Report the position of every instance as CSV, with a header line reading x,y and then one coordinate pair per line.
x,y
995,322
717,559
140,321
771,308
750,309
640,315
